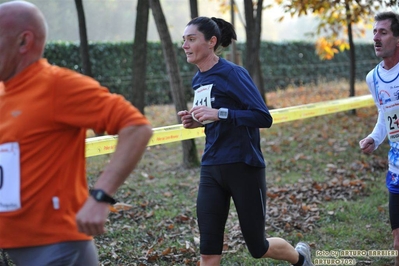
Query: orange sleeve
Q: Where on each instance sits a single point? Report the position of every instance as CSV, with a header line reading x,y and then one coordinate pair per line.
x,y
83,102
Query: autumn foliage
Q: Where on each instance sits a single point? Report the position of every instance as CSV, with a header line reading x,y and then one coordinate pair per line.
x,y
337,19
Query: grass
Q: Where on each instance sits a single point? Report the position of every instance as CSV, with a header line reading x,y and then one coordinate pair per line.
x,y
321,190
161,229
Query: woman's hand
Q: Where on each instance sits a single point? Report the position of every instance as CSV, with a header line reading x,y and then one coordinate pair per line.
x,y
204,113
187,120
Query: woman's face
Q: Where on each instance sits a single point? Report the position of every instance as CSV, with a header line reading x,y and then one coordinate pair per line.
x,y
197,49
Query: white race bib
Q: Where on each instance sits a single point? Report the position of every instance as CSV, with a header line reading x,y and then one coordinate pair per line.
x,y
391,114
202,97
10,178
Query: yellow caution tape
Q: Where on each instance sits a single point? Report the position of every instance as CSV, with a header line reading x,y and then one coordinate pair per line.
x,y
107,144
321,108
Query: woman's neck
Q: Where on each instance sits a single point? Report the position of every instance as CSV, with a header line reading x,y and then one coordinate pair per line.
x,y
209,63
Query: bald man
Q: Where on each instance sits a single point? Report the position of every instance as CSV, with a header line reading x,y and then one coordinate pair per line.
x,y
23,30
48,216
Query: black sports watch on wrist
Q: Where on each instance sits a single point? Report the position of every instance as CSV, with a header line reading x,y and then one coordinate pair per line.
x,y
223,113
100,196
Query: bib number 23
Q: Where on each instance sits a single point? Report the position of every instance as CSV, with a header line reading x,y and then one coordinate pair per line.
x,y
392,124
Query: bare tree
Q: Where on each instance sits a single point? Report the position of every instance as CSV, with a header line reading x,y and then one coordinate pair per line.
x,y
139,68
190,157
84,46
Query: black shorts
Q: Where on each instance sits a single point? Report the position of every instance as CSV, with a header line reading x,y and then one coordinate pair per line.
x,y
246,185
394,210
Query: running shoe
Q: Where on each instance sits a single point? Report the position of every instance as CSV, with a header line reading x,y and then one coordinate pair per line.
x,y
304,250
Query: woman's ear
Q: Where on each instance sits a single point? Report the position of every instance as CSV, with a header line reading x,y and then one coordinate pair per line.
x,y
212,41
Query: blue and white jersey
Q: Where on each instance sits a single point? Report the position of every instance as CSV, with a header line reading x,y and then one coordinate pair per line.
x,y
384,87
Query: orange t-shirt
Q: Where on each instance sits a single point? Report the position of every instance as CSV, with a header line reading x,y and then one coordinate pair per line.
x,y
45,110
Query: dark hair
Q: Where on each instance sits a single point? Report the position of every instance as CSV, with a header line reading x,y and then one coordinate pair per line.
x,y
221,29
393,17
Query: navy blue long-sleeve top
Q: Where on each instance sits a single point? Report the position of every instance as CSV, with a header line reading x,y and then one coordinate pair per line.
x,y
237,138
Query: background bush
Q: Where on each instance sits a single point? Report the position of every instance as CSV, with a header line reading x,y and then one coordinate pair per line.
x,y
283,64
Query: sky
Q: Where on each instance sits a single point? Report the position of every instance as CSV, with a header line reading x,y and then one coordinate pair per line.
x,y
114,20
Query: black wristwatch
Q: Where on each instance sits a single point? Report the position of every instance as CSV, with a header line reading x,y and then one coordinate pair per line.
x,y
100,196
223,113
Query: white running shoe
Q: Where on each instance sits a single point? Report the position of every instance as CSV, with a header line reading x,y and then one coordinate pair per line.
x,y
304,250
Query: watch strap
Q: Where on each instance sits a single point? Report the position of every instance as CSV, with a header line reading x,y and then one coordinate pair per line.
x,y
100,196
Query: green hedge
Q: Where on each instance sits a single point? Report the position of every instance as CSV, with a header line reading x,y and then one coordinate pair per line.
x,y
296,63
283,64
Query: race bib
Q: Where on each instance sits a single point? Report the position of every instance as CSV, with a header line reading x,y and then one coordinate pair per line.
x,y
10,198
391,115
202,97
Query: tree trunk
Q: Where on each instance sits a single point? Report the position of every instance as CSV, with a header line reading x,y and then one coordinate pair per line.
x,y
352,57
253,30
193,8
84,47
139,67
190,157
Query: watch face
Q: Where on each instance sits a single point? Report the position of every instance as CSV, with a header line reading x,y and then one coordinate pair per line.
x,y
223,113
99,195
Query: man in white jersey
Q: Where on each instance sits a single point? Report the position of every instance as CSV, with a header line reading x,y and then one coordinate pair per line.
x,y
383,83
